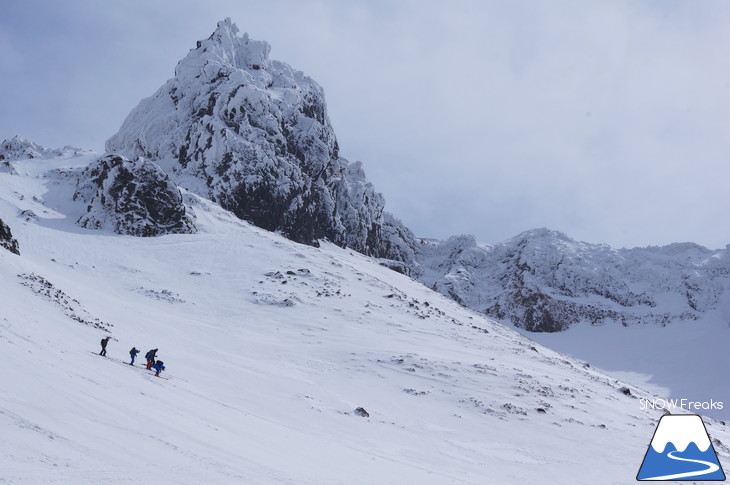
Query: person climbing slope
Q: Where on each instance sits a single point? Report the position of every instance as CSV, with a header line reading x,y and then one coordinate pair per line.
x,y
104,341
158,368
133,353
150,356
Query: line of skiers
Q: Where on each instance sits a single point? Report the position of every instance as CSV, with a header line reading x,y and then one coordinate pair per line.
x,y
151,357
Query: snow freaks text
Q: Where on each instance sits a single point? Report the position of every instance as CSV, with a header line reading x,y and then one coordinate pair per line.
x,y
683,404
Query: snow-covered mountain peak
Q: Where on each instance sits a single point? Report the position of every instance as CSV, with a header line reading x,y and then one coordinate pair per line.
x,y
541,239
253,135
223,53
543,233
21,148
688,249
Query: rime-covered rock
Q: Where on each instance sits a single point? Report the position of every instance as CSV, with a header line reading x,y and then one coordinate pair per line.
x,y
544,281
21,148
253,135
6,239
6,167
136,198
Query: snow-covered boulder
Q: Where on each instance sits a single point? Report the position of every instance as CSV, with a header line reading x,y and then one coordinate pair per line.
x,y
136,198
253,135
544,281
6,239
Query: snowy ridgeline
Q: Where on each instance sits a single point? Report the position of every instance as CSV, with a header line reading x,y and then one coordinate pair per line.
x,y
20,148
285,364
543,281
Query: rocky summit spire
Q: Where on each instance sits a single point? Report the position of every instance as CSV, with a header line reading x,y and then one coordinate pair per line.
x,y
223,53
253,135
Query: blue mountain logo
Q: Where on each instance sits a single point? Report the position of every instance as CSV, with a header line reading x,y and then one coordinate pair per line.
x,y
681,450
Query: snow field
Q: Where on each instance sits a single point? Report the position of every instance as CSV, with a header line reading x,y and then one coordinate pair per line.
x,y
270,346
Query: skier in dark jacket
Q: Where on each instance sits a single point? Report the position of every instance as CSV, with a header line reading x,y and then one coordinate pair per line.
x,y
158,368
104,341
133,353
150,356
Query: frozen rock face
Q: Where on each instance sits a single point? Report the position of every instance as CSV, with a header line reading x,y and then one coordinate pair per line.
x,y
136,198
6,167
252,134
20,148
6,239
544,281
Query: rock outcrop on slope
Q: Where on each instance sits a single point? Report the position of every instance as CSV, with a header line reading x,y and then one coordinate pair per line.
x,y
136,198
544,281
6,239
253,135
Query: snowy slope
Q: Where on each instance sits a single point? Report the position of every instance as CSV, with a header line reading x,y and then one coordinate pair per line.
x,y
270,346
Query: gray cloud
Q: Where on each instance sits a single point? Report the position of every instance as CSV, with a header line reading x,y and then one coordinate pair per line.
x,y
606,120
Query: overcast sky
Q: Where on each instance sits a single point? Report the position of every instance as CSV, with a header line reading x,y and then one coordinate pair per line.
x,y
607,120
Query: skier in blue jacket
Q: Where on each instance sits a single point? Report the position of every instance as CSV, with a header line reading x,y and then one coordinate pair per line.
x,y
133,353
159,367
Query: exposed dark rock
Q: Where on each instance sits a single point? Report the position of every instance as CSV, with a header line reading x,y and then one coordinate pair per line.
x,y
6,239
135,198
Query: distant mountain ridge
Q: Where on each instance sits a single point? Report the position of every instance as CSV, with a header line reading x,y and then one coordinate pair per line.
x,y
19,147
544,281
